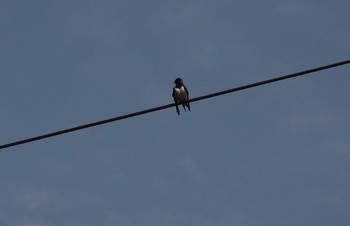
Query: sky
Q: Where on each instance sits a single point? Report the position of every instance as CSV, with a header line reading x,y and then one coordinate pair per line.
x,y
277,154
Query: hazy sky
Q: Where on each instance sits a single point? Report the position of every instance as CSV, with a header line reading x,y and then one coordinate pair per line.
x,y
274,155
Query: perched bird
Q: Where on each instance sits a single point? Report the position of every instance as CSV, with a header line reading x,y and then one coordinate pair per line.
x,y
180,94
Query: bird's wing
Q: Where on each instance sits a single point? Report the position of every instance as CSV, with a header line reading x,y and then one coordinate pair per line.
x,y
177,107
187,93
173,93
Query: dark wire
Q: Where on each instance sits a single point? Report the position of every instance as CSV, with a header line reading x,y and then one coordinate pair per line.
x,y
173,104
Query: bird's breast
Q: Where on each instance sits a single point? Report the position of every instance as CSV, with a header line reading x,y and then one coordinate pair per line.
x,y
180,94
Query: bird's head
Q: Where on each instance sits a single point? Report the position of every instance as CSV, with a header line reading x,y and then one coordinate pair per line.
x,y
178,82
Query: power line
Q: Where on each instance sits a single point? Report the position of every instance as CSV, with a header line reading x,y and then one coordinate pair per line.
x,y
297,74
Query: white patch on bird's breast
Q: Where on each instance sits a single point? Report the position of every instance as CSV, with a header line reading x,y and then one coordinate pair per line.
x,y
180,94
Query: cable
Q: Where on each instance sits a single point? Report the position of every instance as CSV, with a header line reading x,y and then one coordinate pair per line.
x,y
173,104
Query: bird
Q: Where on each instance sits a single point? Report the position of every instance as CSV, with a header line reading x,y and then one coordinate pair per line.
x,y
180,95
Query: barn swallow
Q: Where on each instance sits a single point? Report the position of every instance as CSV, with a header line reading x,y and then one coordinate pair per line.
x,y
180,95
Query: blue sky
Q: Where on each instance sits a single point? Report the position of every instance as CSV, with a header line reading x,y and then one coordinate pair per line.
x,y
273,155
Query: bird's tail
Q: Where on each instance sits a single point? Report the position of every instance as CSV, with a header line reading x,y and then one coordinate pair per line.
x,y
177,110
188,106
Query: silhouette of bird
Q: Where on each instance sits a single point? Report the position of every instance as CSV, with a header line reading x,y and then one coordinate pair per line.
x,y
180,95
